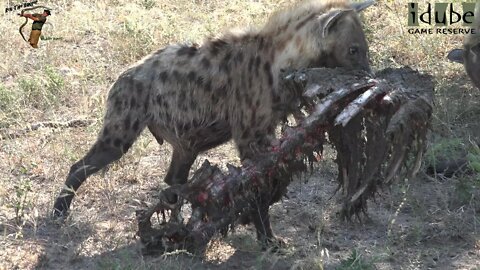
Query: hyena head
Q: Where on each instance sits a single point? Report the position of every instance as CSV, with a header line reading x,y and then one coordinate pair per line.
x,y
332,36
343,42
469,56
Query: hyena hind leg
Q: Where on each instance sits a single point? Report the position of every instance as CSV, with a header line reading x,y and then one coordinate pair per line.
x,y
107,149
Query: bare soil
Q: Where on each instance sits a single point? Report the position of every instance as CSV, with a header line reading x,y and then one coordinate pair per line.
x,y
412,225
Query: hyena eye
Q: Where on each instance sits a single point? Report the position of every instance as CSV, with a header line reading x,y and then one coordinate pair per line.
x,y
353,50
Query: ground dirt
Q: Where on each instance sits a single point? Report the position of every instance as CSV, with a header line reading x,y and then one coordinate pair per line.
x,y
411,225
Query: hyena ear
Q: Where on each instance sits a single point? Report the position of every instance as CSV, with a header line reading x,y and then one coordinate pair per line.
x,y
331,19
456,55
361,6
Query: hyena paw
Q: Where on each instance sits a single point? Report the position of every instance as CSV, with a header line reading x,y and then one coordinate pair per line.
x,y
59,214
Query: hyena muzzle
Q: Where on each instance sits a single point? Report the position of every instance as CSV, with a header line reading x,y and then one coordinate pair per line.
x,y
469,56
198,97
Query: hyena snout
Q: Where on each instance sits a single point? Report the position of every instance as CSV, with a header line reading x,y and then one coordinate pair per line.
x,y
352,52
472,64
357,58
349,57
469,56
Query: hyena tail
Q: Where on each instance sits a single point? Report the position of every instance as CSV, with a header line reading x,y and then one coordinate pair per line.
x,y
118,134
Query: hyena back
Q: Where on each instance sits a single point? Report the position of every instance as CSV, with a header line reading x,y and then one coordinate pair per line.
x,y
469,56
198,97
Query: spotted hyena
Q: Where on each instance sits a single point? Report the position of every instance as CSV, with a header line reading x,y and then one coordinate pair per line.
x,y
470,54
198,97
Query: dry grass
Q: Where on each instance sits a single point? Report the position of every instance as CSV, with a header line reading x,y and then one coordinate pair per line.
x,y
426,223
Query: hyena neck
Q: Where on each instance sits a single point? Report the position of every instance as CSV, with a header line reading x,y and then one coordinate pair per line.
x,y
281,51
289,51
291,32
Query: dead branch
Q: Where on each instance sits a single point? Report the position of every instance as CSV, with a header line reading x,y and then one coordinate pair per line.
x,y
17,133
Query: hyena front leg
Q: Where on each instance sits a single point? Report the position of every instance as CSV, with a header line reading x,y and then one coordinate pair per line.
x,y
187,147
181,162
182,157
250,143
114,141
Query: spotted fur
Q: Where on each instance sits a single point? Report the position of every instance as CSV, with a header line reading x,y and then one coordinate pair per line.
x,y
198,97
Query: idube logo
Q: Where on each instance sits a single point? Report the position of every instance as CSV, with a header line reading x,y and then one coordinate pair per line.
x,y
441,18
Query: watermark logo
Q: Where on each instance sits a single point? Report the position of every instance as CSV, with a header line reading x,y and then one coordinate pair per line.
x,y
38,19
20,6
441,18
